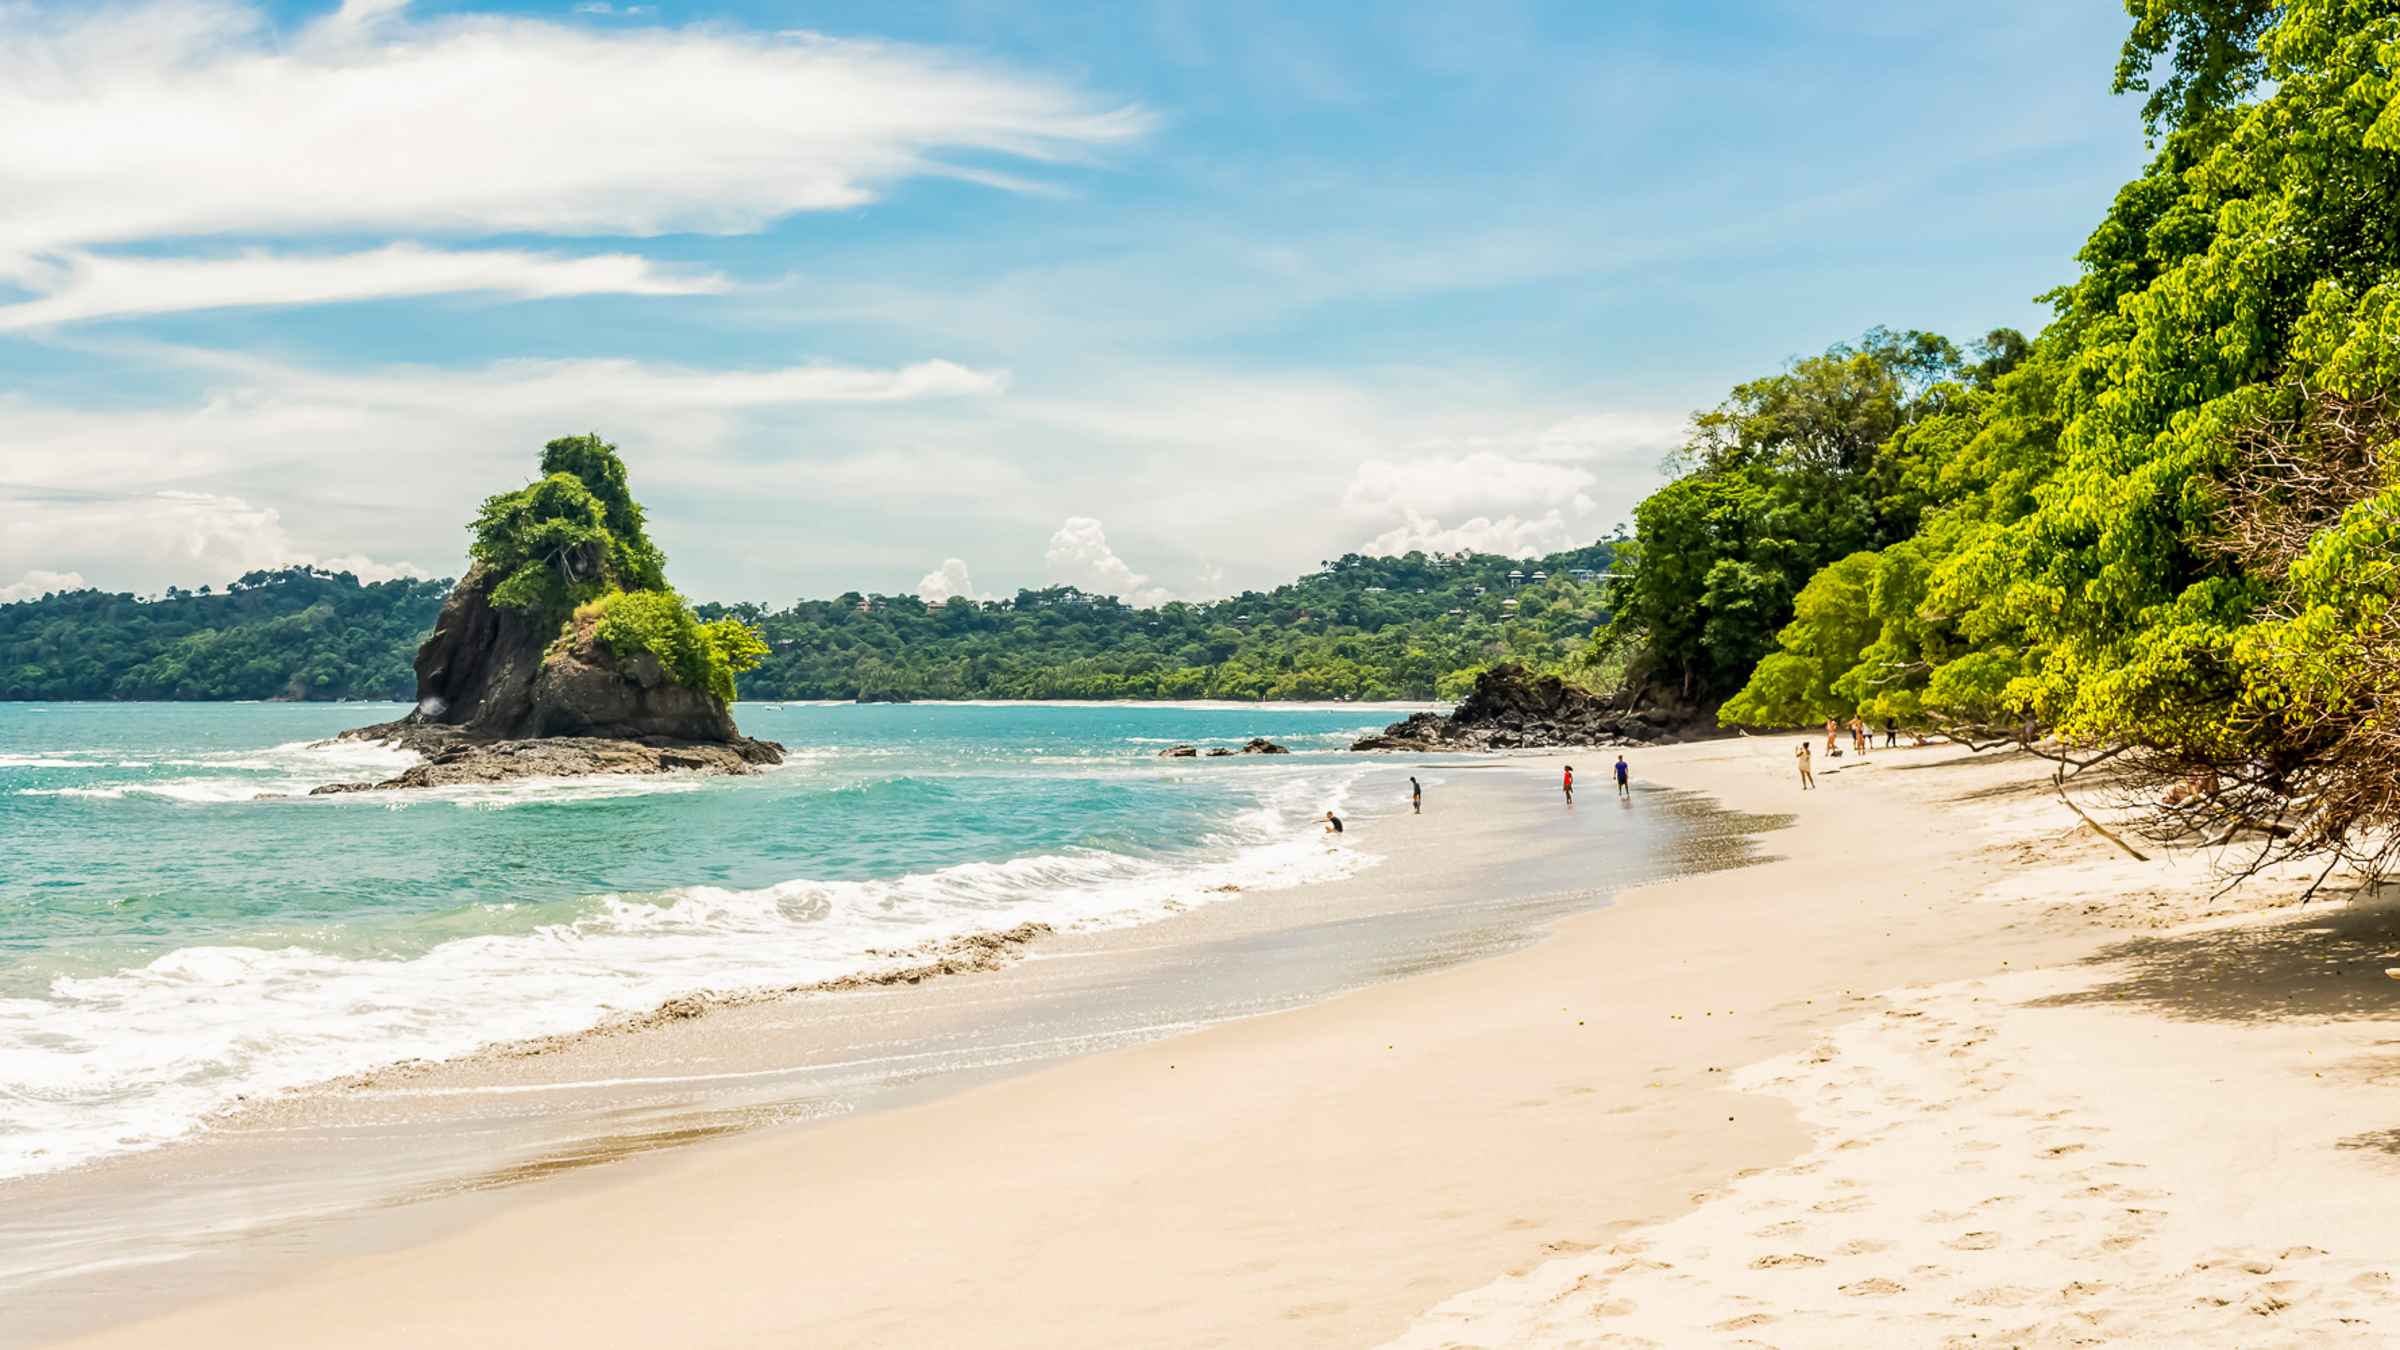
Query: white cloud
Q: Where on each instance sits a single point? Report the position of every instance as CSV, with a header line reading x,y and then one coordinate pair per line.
x,y
185,537
387,463
946,582
77,286
1079,556
1637,435
184,118
1480,481
37,583
1519,505
1508,535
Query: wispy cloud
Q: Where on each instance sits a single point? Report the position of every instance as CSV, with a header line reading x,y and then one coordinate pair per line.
x,y
179,119
82,286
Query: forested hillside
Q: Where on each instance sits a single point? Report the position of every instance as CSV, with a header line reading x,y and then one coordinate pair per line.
x,y
295,633
2168,525
1405,627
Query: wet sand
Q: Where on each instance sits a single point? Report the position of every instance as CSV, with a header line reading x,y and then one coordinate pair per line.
x,y
1946,1069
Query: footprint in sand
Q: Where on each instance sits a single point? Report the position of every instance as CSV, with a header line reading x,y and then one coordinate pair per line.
x,y
1743,1323
1788,1228
1979,1241
1845,1205
1875,1287
1786,1261
1863,1247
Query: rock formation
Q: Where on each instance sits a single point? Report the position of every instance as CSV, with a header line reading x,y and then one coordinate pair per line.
x,y
1511,708
1258,745
513,690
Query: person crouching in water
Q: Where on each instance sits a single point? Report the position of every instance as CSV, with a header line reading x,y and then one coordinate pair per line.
x,y
1333,823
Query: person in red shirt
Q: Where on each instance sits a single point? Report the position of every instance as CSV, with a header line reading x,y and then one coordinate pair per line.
x,y
1570,785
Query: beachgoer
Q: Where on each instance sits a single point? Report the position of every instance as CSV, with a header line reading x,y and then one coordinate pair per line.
x,y
1832,729
1891,733
1416,795
1858,733
1569,784
1333,823
1624,778
1807,779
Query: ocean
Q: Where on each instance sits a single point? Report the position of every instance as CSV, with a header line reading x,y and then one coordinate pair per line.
x,y
183,929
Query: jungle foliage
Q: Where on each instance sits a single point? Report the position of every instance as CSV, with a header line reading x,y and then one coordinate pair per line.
x,y
1412,626
1406,627
2168,526
296,633
572,549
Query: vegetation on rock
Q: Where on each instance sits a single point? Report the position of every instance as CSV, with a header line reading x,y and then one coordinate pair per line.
x,y
571,550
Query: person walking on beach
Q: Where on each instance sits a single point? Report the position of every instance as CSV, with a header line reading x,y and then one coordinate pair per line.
x,y
1569,784
1858,733
1832,729
1416,796
1891,733
1624,778
1807,780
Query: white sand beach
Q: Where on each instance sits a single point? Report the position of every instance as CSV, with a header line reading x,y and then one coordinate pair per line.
x,y
1946,1069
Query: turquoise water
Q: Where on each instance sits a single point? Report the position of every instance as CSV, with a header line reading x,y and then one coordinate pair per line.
x,y
181,926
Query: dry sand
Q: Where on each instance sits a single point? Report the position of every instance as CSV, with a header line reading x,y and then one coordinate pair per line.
x,y
1947,1069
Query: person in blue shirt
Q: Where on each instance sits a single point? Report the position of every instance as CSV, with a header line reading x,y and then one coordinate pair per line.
x,y
1624,779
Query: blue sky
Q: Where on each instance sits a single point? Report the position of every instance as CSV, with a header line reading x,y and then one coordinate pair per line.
x,y
1165,299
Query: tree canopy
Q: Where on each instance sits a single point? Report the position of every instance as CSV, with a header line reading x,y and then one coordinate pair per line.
x,y
572,548
2168,522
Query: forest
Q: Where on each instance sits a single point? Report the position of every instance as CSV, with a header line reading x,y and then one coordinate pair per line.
x,y
296,633
2162,530
1415,626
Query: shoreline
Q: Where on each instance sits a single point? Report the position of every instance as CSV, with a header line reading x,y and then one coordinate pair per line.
x,y
455,1132
1587,1132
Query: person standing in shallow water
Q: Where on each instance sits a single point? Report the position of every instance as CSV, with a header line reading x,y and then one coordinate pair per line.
x,y
1569,784
1624,778
1416,796
1807,780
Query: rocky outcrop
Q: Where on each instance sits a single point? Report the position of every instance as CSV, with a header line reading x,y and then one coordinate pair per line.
x,y
452,760
1258,745
500,697
1510,708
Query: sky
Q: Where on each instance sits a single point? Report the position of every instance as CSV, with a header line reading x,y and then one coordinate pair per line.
x,y
1160,299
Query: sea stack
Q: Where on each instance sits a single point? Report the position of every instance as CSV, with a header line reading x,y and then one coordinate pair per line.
x,y
1511,708
562,651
